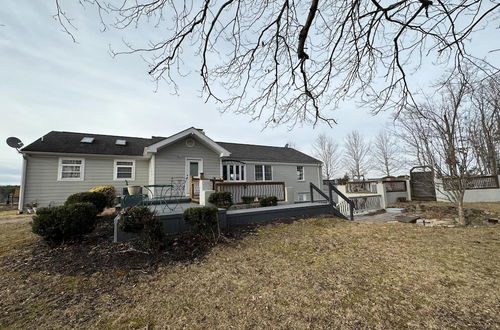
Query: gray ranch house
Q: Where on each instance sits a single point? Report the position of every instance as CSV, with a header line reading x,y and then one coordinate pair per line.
x,y
62,163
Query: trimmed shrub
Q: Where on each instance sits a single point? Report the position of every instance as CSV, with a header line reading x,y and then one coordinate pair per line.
x,y
132,220
56,224
248,199
99,199
140,219
109,191
203,220
269,201
221,199
152,237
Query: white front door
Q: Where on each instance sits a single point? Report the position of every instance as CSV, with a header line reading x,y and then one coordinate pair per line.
x,y
194,166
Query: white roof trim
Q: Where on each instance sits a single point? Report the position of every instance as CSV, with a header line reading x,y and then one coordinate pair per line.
x,y
189,132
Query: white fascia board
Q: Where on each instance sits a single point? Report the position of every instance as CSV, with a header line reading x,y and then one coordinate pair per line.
x,y
188,132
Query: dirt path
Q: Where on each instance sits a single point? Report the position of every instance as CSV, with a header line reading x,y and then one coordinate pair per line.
x,y
385,217
382,217
15,220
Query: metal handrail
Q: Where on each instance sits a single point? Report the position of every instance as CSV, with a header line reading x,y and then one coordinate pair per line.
x,y
313,187
331,188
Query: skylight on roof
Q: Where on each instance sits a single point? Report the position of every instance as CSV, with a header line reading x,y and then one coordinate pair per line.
x,y
121,142
87,140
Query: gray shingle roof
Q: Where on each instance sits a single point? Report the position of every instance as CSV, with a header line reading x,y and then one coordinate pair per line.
x,y
259,153
69,142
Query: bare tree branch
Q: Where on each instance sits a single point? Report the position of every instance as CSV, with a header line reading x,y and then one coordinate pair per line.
x,y
328,151
288,62
445,131
356,154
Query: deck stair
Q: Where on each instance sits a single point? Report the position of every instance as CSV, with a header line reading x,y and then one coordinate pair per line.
x,y
344,209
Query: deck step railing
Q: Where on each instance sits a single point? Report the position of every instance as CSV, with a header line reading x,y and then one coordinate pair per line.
x,y
346,206
367,203
362,204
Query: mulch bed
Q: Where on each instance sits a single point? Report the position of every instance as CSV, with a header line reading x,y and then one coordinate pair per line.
x,y
96,252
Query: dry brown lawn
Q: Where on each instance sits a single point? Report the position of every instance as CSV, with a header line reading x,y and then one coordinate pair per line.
x,y
313,273
7,213
492,207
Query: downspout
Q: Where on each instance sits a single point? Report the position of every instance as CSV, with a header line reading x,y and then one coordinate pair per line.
x,y
20,206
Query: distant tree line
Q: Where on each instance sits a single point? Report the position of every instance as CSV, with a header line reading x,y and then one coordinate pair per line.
x,y
358,156
455,131
5,191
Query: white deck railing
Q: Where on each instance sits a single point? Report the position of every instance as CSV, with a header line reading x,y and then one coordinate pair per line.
x,y
254,189
361,204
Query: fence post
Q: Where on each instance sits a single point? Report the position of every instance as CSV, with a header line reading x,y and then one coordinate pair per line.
x,y
311,192
351,211
330,194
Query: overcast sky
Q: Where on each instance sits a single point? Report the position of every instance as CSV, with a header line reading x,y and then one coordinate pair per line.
x,y
50,83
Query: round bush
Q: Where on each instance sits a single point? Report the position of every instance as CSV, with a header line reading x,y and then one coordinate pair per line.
x,y
152,237
132,220
248,199
269,201
203,220
222,199
56,224
109,191
98,199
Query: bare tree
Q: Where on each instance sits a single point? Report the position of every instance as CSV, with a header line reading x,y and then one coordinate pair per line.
x,y
356,154
440,126
327,150
293,61
485,125
387,156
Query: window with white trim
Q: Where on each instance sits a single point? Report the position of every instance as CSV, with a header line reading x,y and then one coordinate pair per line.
x,y
71,169
303,196
263,173
124,170
233,172
300,173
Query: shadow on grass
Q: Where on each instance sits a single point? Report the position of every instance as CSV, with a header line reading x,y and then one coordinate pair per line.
x,y
96,252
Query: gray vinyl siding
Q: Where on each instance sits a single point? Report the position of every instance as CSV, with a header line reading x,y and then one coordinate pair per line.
x,y
42,185
171,161
288,174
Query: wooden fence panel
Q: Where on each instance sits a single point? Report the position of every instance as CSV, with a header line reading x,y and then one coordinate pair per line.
x,y
476,182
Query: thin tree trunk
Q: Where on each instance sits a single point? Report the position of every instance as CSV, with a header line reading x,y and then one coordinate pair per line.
x,y
461,213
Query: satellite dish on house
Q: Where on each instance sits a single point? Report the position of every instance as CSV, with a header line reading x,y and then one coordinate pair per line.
x,y
15,143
